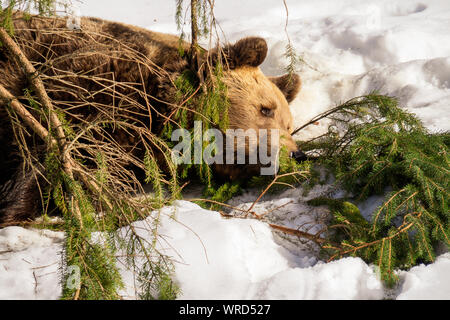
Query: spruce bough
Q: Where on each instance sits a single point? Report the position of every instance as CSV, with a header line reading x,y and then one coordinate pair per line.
x,y
374,147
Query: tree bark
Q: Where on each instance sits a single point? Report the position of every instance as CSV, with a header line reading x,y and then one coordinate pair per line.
x,y
194,33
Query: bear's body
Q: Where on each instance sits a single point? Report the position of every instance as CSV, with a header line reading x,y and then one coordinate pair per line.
x,y
256,101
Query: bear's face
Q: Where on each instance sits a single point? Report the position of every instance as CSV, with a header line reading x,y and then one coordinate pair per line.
x,y
256,101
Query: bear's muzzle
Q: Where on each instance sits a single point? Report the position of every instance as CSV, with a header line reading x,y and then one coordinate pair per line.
x,y
299,156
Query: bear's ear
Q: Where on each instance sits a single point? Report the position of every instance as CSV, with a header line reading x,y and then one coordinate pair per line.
x,y
249,51
289,84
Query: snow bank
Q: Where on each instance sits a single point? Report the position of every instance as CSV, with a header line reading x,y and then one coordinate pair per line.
x,y
427,282
348,278
29,263
216,258
239,259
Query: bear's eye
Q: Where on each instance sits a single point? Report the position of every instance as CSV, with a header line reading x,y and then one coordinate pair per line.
x,y
267,112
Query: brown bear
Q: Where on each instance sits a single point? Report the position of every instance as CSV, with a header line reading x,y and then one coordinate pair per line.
x,y
61,56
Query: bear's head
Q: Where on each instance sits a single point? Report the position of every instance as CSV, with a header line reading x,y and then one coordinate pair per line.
x,y
257,101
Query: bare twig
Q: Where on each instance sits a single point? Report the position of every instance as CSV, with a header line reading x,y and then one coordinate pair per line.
x,y
271,184
26,116
313,237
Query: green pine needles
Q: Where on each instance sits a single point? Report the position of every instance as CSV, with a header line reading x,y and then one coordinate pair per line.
x,y
372,147
97,275
202,103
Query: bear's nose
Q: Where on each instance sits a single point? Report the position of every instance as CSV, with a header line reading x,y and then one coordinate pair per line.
x,y
299,156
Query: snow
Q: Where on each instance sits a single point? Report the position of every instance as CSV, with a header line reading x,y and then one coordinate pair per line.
x,y
29,263
348,278
427,282
350,48
217,258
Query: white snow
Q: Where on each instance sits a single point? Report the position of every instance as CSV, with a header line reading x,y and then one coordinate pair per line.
x,y
239,259
350,48
29,263
427,282
348,278
216,258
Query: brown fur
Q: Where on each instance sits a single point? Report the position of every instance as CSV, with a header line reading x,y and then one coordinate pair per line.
x,y
94,50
